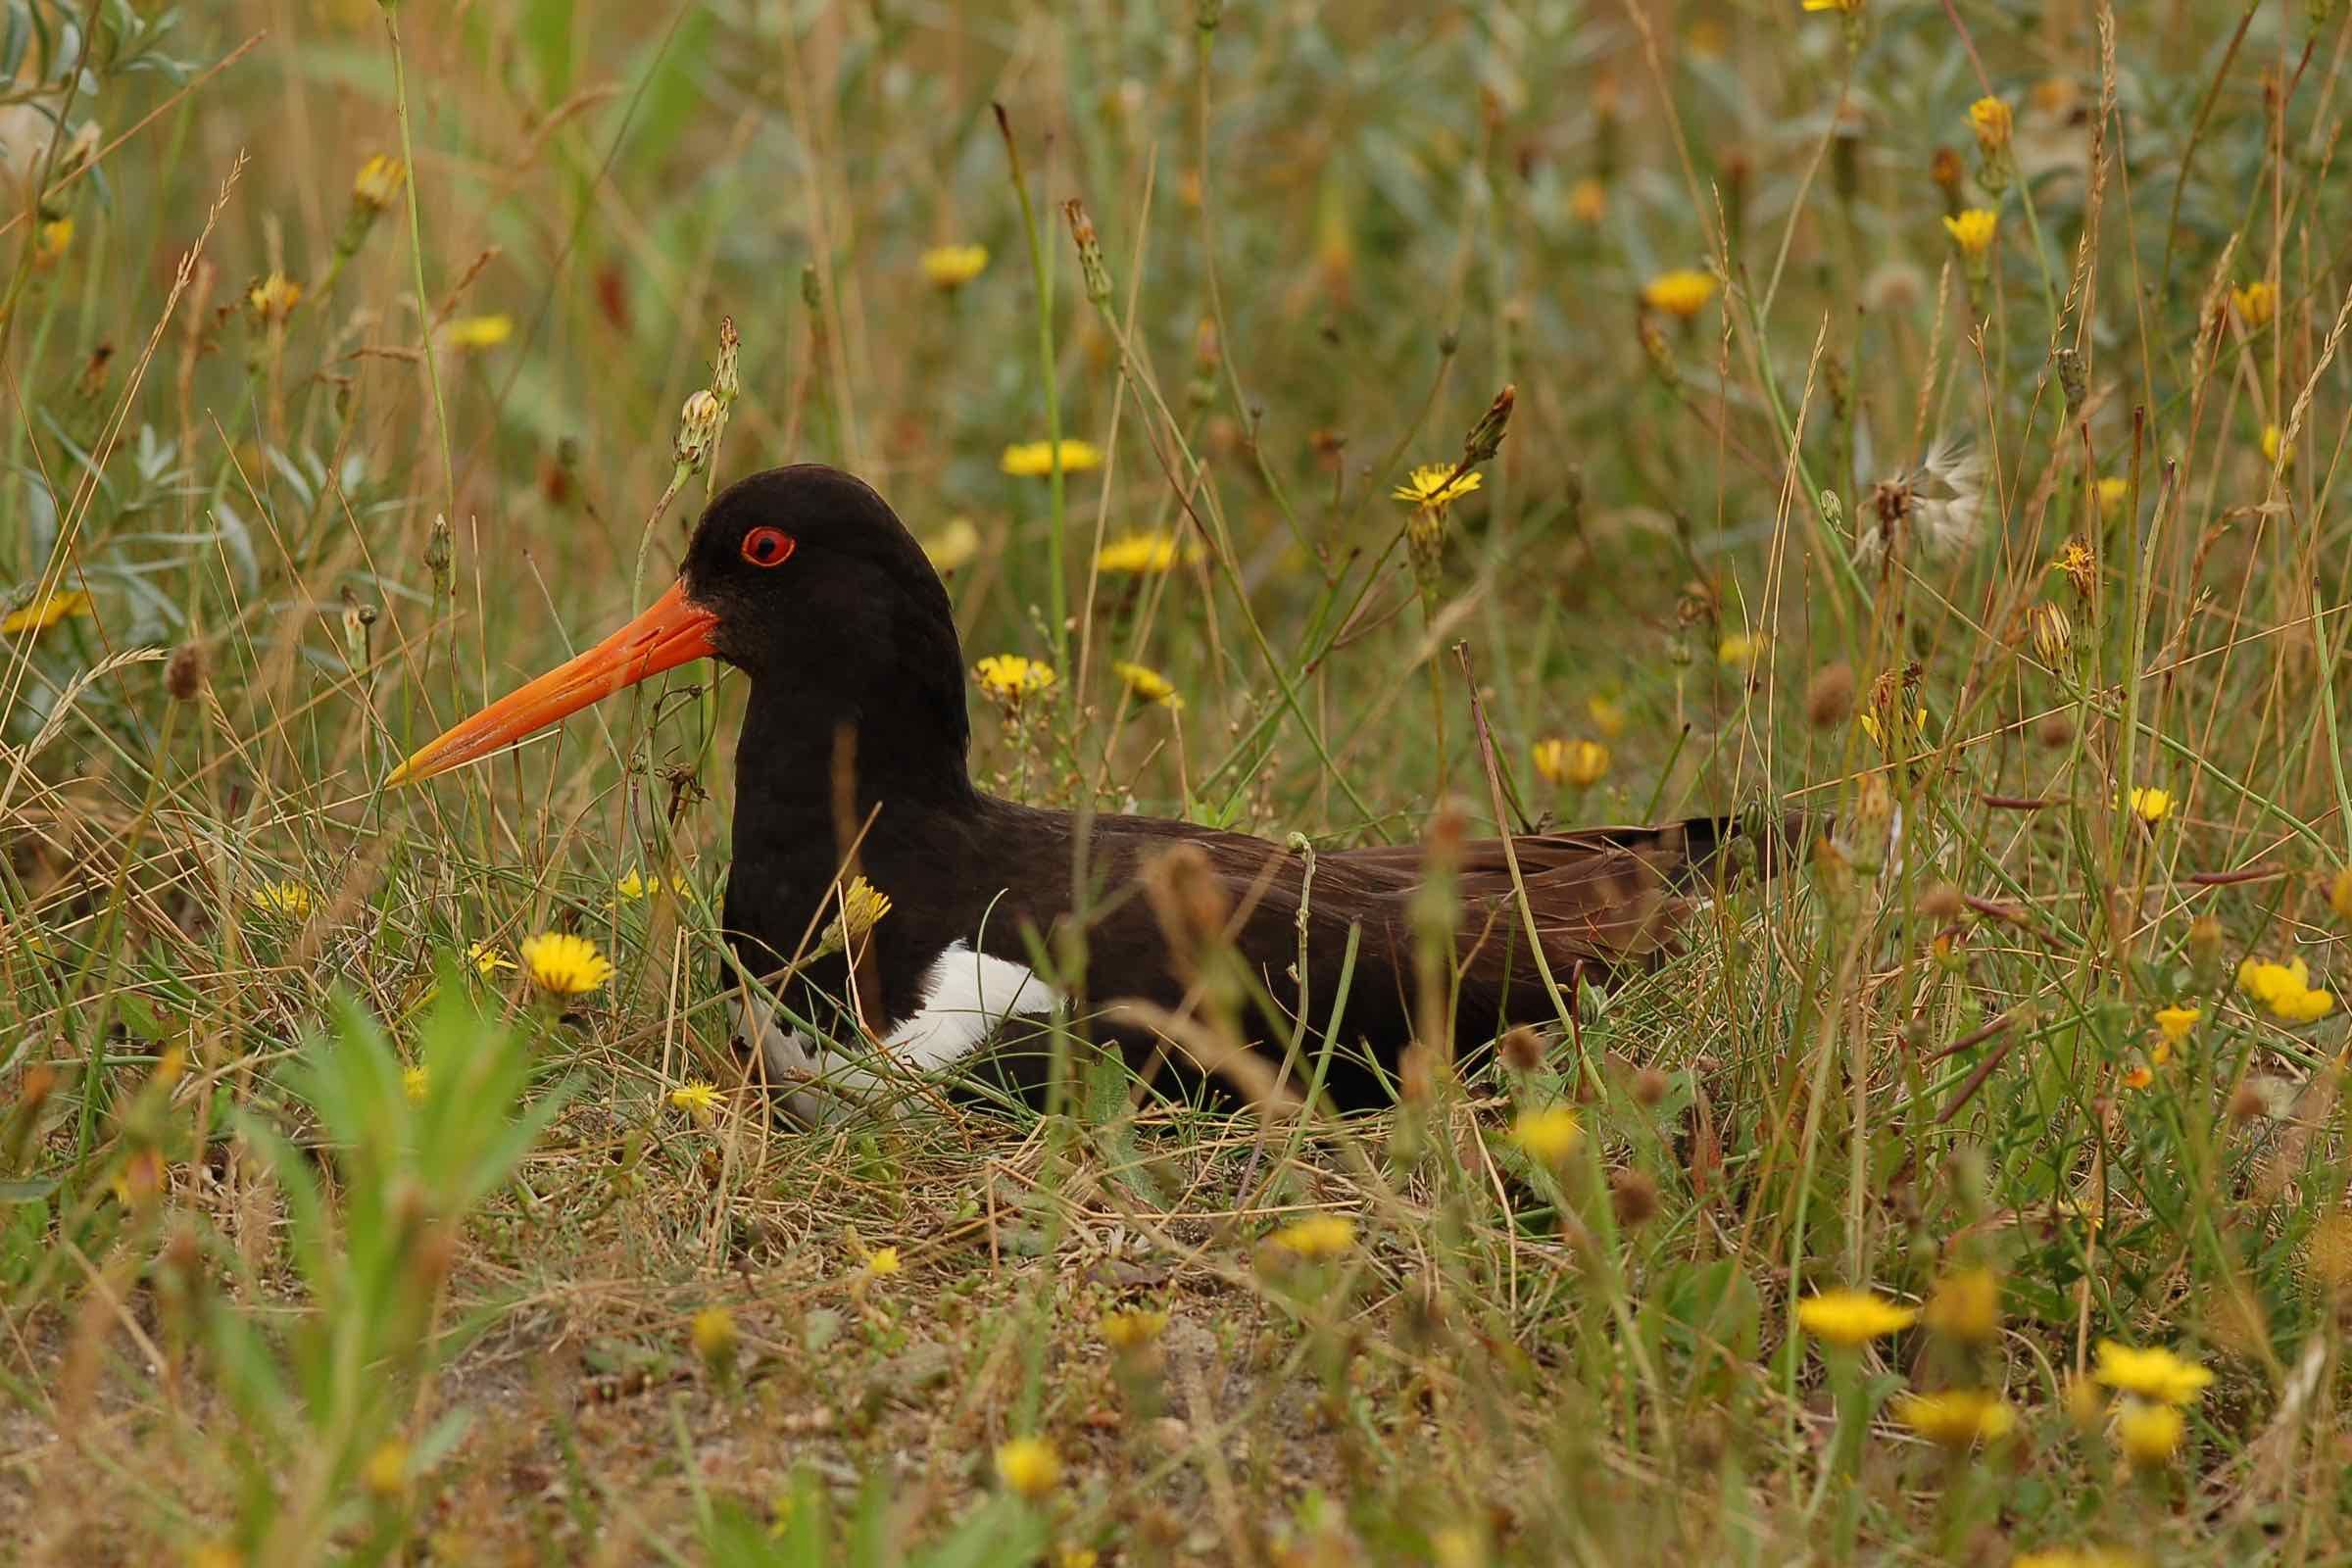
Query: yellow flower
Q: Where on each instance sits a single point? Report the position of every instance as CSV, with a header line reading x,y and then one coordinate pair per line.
x,y
1875,729
1010,678
2081,567
862,906
954,546
635,886
2307,1006
1847,5
1435,486
2256,304
1034,460
378,180
1852,1318
1607,715
1990,119
2155,1374
289,899
2053,632
479,331
1132,1328
43,614
2175,1022
698,1099
2112,492
2138,1076
563,964
714,1338
2275,447
1549,1135
57,238
1741,650
386,1472
1029,1466
949,268
1317,1236
1588,199
1957,1419
1147,553
2339,894
2149,1432
1078,1557
2286,989
2069,1557
1145,684
415,1083
1966,1304
486,959
274,298
2150,804
882,1262
1577,764
1973,230
1684,292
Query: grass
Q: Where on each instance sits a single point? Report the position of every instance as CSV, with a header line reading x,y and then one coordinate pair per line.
x,y
321,1241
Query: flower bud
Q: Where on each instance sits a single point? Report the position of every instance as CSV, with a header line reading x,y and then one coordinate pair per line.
x,y
698,428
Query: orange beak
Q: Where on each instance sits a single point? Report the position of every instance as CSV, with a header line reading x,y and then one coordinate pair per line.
x,y
671,631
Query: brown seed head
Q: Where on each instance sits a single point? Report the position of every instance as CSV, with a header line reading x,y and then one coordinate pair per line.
x,y
1521,1050
2055,730
1649,1086
1830,696
183,674
1942,901
2245,1103
1633,1197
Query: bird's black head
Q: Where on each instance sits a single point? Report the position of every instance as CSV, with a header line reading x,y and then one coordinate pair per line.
x,y
805,579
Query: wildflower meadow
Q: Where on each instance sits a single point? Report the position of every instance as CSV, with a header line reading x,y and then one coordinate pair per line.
x,y
1905,429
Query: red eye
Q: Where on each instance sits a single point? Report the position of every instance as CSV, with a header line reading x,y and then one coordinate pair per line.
x,y
766,547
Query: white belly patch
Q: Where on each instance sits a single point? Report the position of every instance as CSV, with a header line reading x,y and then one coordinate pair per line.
x,y
967,997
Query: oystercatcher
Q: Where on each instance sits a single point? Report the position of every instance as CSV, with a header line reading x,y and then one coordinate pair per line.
x,y
853,759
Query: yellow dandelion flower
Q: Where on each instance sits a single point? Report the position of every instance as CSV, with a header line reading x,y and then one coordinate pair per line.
x,y
1131,1329
274,298
1906,734
2149,1432
478,331
2150,804
1849,7
1435,486
1607,715
2080,567
1147,553
948,267
2256,304
289,899
56,238
954,546
486,959
385,1474
2275,446
1317,1236
882,1262
415,1083
1973,230
43,614
636,885
1958,1419
1580,764
564,965
2155,1374
1992,120
1547,1136
1684,292
714,1338
1739,650
1034,460
2112,491
1029,1466
1009,677
1852,1318
378,180
1588,199
697,1099
2176,1021
1966,1304
1145,684
862,906
2339,894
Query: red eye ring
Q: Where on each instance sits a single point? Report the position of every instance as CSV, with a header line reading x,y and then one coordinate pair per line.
x,y
767,546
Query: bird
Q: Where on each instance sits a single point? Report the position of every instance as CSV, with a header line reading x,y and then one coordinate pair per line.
x,y
853,781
